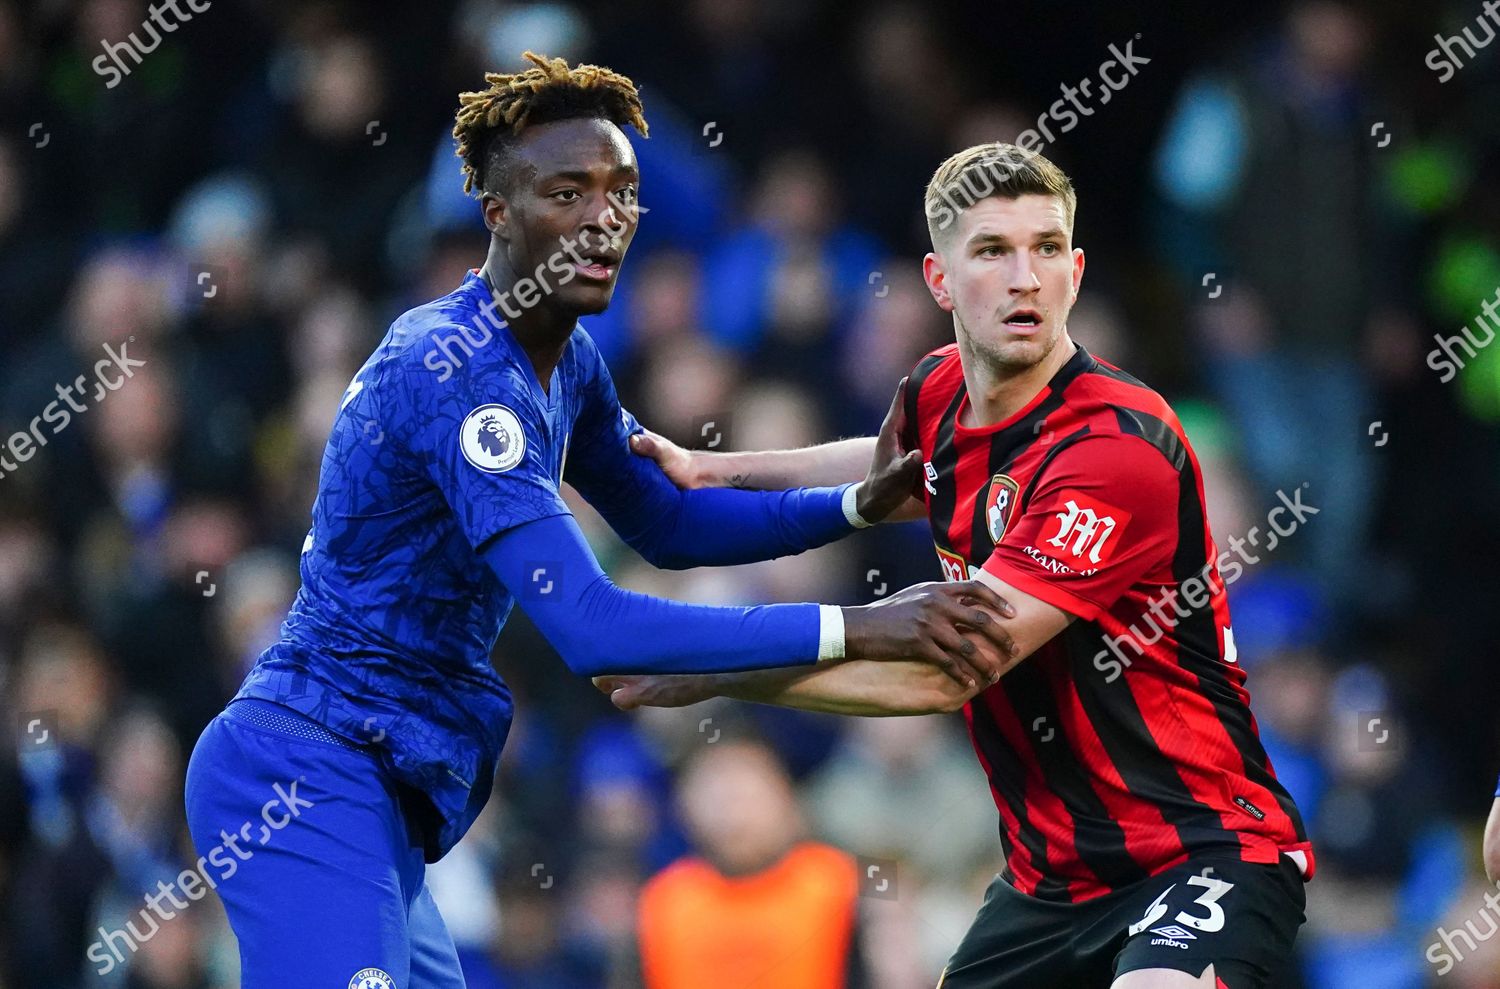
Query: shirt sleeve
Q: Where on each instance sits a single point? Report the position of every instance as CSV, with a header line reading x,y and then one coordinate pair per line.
x,y
478,438
679,529
599,628
1101,517
629,491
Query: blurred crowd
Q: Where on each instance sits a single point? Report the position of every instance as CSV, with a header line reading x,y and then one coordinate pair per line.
x,y
1280,212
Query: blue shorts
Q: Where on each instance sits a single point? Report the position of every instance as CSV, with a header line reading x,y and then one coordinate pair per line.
x,y
317,855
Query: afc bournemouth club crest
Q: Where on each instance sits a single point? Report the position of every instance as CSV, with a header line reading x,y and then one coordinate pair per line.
x,y
999,504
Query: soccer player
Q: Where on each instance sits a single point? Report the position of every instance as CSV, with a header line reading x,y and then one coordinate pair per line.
x,y
1148,842
364,743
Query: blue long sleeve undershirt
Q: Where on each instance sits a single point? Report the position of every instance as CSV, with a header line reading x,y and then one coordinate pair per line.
x,y
599,628
676,529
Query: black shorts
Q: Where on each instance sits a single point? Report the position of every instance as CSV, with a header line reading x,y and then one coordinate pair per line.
x,y
1238,916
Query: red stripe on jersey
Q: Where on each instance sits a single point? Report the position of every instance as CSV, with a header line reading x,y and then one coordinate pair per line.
x,y
971,478
1024,875
1141,821
1181,721
936,391
1046,812
1224,671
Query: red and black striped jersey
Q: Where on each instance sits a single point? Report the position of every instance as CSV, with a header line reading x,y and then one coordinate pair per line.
x,y
1125,745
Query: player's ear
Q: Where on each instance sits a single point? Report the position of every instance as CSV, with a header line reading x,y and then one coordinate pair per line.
x,y
1077,271
937,281
496,211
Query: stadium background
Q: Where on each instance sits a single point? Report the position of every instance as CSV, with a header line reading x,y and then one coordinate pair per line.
x,y
1280,211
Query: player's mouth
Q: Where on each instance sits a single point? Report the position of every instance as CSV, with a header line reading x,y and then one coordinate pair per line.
x,y
1023,322
597,266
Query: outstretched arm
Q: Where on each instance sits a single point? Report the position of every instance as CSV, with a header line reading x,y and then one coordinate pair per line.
x,y
853,686
600,628
839,462
677,528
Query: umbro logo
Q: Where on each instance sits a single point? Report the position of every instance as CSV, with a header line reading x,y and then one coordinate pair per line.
x,y
1172,936
1175,933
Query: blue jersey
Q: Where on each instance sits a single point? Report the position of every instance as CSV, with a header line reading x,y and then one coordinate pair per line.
x,y
444,440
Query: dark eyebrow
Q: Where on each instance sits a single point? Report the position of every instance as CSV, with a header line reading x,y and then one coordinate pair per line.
x,y
577,175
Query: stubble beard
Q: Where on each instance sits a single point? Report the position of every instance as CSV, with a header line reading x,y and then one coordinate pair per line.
x,y
1010,358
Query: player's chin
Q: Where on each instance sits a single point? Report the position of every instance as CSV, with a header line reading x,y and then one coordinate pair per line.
x,y
1017,351
587,298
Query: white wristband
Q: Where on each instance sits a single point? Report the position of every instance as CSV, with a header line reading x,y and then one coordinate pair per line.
x,y
830,632
851,512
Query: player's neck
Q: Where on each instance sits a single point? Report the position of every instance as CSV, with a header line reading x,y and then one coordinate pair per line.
x,y
540,329
997,393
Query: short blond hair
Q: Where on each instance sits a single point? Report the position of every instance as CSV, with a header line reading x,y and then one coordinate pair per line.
x,y
996,169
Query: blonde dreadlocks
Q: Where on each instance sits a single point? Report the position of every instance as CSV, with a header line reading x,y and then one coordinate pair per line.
x,y
487,121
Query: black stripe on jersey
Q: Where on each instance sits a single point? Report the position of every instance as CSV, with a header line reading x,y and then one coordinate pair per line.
x,y
1036,475
1197,633
1199,630
944,460
912,433
1148,774
1027,685
1005,446
1097,838
1156,432
1117,374
1141,766
1082,362
1007,778
1079,364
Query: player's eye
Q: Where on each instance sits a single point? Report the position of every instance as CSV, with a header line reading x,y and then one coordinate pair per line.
x,y
627,194
567,195
993,251
1049,249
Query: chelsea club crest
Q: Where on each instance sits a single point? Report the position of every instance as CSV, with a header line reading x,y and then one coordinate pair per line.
x,y
371,978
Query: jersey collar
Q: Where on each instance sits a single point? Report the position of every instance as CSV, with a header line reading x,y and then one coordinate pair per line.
x,y
1081,362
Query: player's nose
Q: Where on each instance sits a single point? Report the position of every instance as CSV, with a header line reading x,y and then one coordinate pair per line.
x,y
603,212
601,226
1022,276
